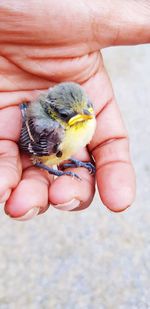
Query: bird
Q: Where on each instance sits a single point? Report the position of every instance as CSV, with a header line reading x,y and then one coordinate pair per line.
x,y
55,126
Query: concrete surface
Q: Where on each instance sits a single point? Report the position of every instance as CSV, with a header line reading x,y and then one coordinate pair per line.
x,y
94,259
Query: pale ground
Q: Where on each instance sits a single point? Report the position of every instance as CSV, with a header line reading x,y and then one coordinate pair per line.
x,y
94,259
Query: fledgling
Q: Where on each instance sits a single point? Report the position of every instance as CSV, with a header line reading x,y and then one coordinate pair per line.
x,y
56,125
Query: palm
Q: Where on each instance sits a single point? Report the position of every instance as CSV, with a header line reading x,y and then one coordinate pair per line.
x,y
39,58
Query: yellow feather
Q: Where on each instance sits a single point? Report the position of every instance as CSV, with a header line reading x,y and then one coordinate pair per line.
x,y
76,137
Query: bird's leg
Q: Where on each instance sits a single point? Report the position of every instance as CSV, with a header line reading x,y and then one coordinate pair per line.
x,y
54,171
78,163
23,107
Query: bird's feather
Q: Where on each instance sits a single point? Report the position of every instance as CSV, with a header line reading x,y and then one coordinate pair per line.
x,y
40,140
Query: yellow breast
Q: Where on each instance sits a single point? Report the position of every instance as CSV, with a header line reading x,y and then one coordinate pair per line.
x,y
76,137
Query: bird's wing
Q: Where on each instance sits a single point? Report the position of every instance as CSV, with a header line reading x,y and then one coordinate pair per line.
x,y
28,144
40,137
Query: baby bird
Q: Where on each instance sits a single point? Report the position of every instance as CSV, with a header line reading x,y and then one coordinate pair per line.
x,y
56,125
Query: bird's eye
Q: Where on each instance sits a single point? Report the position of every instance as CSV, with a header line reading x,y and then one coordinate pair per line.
x,y
63,115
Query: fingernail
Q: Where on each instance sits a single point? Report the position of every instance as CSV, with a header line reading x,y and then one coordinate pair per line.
x,y
74,203
29,215
5,196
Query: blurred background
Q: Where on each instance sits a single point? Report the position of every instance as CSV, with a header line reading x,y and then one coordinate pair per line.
x,y
93,259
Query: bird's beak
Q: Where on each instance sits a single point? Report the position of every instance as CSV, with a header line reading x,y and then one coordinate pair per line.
x,y
87,114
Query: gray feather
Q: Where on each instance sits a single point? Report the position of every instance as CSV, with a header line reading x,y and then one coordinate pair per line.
x,y
40,135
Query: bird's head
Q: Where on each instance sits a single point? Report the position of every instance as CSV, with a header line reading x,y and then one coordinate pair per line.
x,y
69,104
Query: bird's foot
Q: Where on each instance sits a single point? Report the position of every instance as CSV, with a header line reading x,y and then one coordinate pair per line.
x,y
77,163
56,172
23,108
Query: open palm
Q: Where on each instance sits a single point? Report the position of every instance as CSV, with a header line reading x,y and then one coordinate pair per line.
x,y
42,44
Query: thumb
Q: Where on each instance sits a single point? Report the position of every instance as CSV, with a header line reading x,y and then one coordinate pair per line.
x,y
122,22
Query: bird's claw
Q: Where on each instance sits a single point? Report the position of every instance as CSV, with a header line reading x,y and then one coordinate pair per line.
x,y
69,173
56,172
76,163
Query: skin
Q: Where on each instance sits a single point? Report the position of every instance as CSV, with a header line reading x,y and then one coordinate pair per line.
x,y
46,42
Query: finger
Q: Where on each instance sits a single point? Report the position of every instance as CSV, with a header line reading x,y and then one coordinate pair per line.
x,y
110,148
10,168
67,193
14,98
10,165
30,197
10,123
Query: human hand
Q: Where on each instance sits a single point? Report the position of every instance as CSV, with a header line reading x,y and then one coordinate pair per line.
x,y
47,43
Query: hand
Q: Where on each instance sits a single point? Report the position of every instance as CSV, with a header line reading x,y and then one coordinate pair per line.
x,y
42,44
